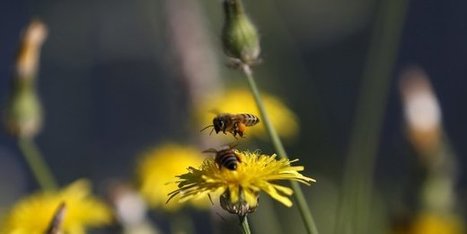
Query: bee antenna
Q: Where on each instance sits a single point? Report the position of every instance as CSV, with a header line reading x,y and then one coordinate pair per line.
x,y
210,150
212,130
209,126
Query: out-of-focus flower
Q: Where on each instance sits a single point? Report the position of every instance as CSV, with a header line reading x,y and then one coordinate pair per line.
x,y
239,189
130,210
33,214
432,223
241,101
23,115
159,166
239,35
421,109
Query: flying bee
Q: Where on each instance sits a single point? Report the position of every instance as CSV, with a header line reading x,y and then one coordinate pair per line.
x,y
233,123
226,157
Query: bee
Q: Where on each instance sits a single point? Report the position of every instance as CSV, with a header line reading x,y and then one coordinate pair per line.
x,y
233,123
226,157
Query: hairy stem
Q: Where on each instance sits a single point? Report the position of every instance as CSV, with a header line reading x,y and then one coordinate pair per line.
x,y
245,225
305,212
36,163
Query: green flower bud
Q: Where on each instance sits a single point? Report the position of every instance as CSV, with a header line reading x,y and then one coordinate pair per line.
x,y
23,116
239,35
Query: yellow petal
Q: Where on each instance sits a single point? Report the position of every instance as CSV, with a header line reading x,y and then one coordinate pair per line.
x,y
234,193
269,189
250,197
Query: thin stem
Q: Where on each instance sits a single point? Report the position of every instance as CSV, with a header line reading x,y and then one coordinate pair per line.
x,y
305,212
245,225
355,199
181,223
38,166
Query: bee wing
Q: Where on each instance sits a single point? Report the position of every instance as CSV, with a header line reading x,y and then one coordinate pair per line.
x,y
235,118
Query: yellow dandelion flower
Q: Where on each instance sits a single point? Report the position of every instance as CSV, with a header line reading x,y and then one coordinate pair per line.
x,y
33,214
159,166
432,223
239,189
241,101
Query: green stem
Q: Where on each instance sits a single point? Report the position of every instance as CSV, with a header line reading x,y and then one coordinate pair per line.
x,y
305,212
245,225
354,214
181,223
38,166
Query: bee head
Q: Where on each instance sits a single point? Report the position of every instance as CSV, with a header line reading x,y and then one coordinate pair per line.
x,y
219,124
232,166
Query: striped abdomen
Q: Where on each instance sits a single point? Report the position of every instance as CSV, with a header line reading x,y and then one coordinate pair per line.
x,y
228,159
249,119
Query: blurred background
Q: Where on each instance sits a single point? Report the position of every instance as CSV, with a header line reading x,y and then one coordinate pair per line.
x,y
118,77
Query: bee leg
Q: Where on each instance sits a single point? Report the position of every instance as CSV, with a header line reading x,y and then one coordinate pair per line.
x,y
238,158
241,129
234,133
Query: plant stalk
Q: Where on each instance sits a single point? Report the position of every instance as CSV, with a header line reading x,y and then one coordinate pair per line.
x,y
303,207
355,209
37,164
245,225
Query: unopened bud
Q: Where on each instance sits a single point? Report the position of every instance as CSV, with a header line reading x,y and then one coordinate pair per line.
x,y
23,114
421,109
241,207
28,55
239,35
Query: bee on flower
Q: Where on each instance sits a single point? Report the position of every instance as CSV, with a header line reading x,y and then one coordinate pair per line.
x,y
239,189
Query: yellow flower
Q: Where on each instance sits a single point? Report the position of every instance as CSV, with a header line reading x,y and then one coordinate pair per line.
x,y
432,223
33,214
239,189
241,101
159,166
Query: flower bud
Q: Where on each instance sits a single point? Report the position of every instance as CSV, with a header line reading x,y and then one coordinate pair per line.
x,y
23,114
241,207
27,59
239,35
422,111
